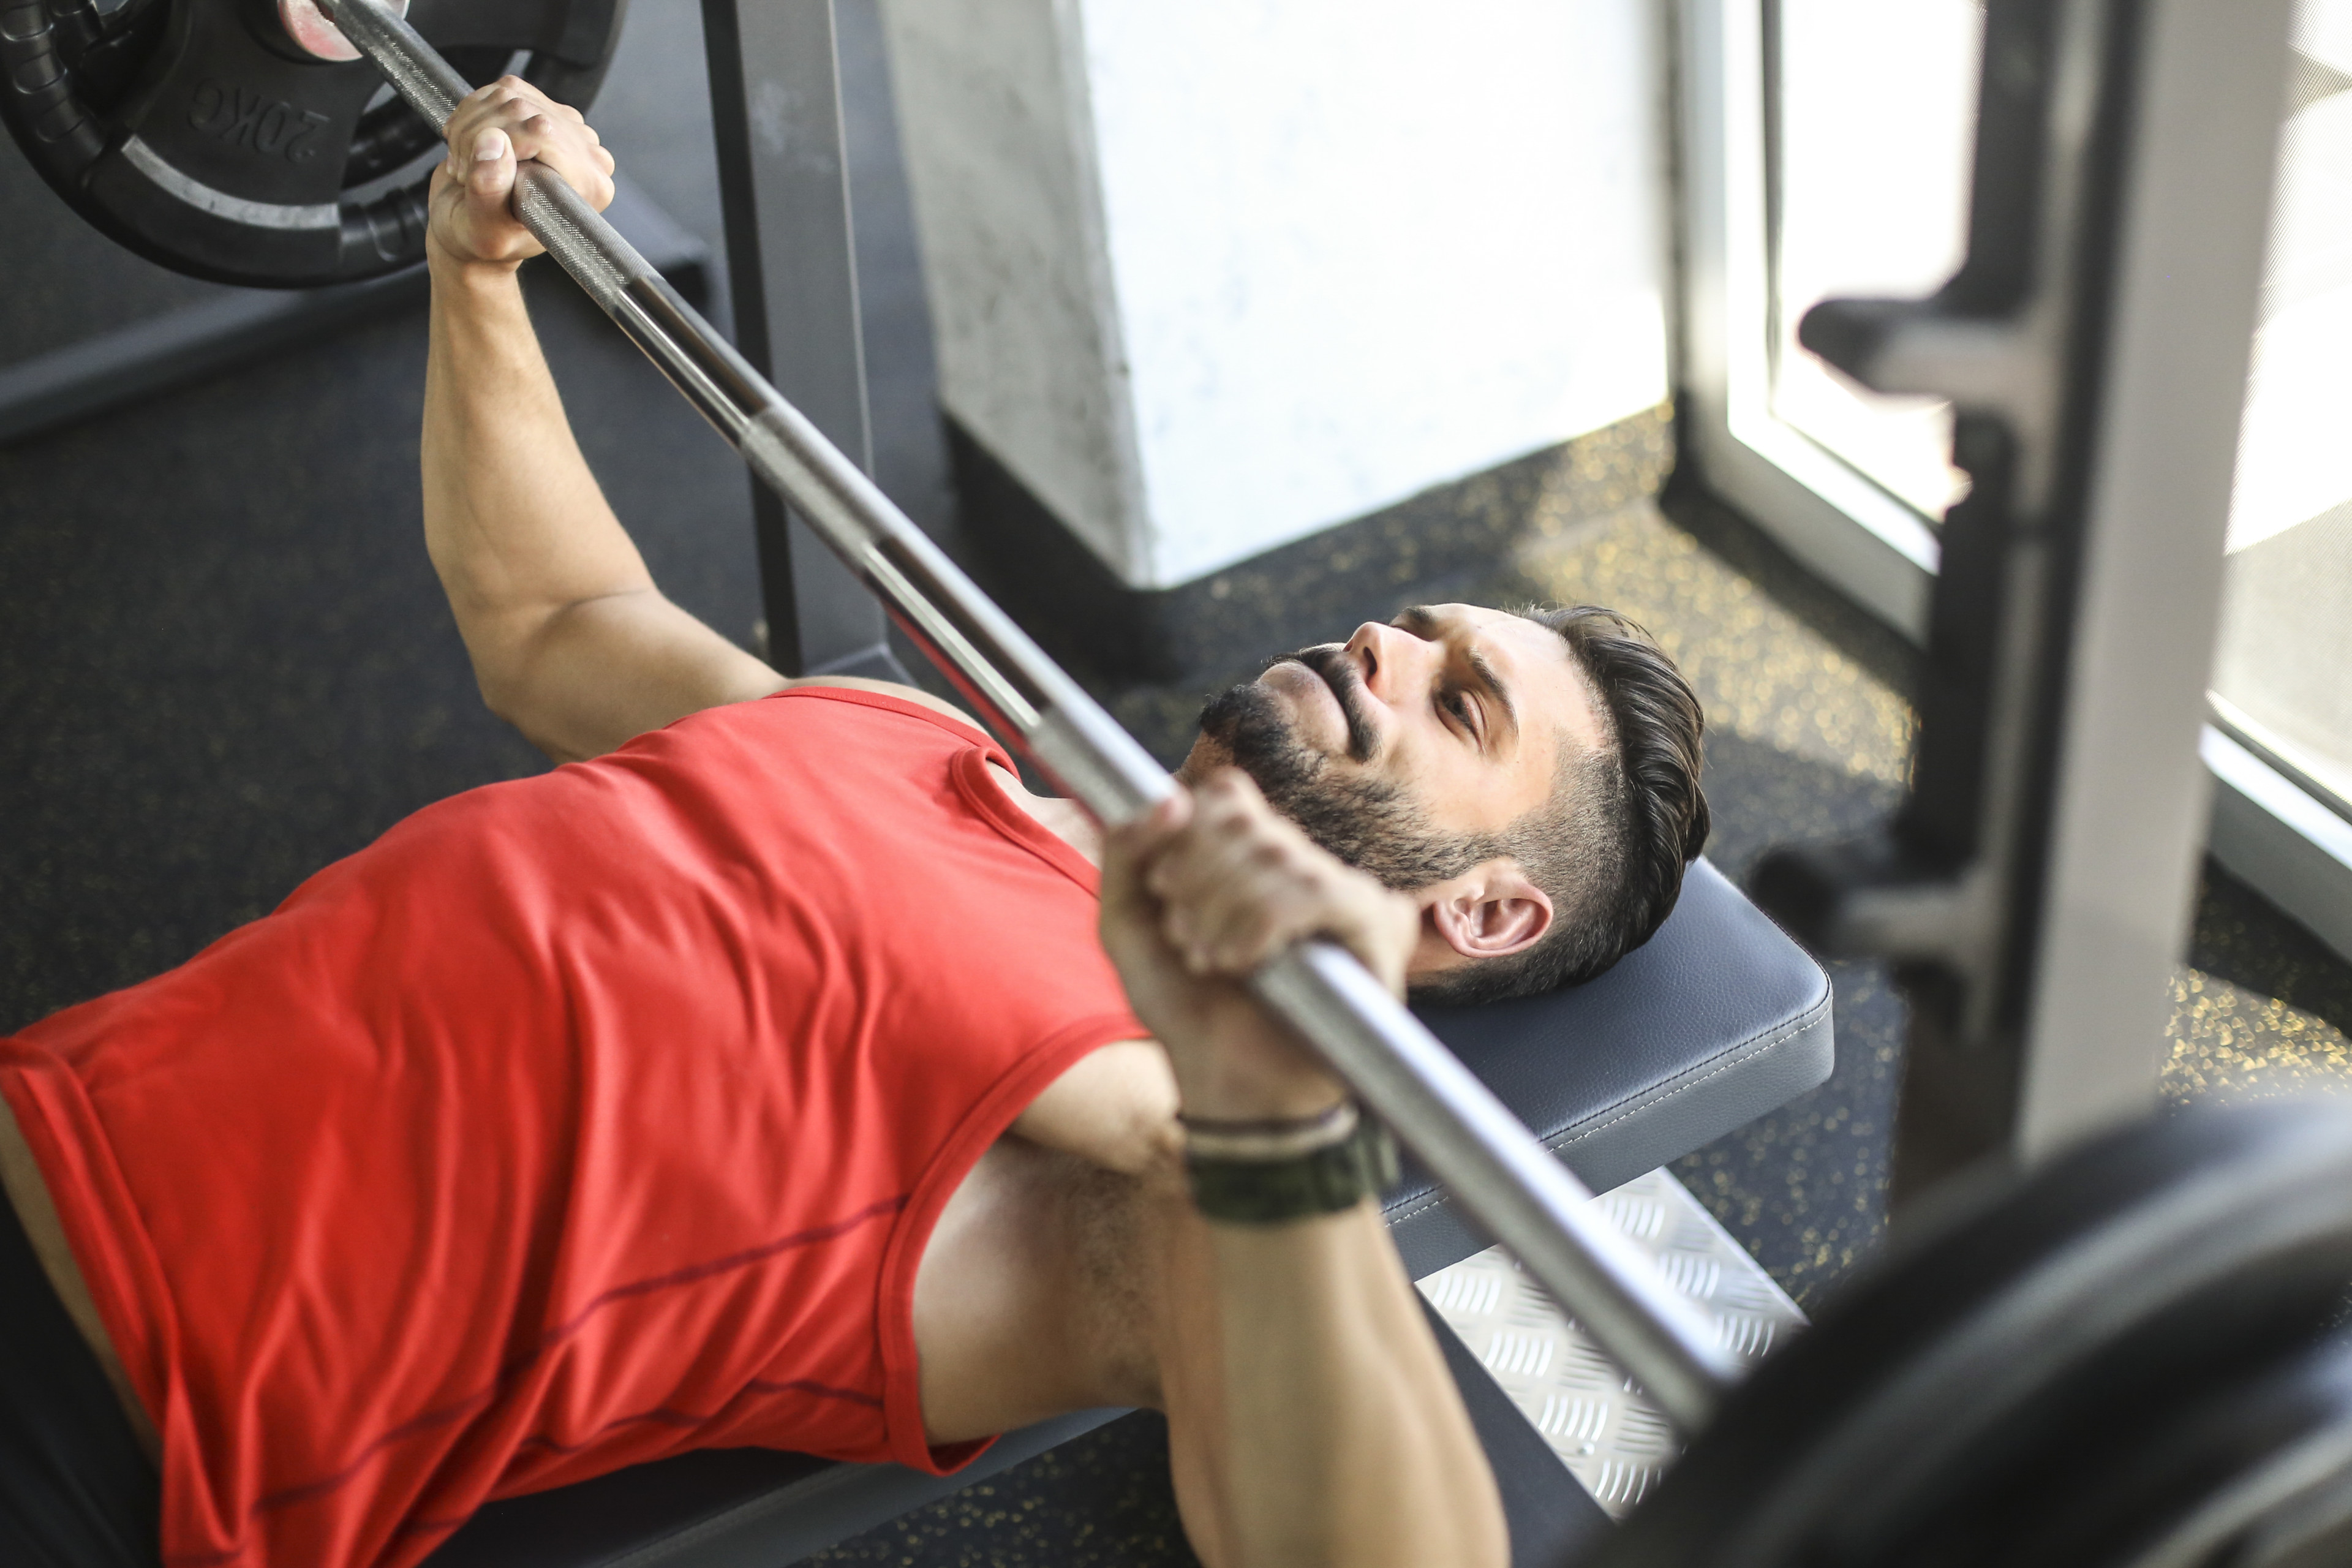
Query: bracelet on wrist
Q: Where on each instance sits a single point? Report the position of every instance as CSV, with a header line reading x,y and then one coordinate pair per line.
x,y
1325,1178
1267,1139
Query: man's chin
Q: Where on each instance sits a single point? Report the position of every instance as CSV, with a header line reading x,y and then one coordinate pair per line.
x,y
1312,711
1207,755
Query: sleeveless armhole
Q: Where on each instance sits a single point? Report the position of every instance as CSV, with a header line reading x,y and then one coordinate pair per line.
x,y
988,1119
981,1126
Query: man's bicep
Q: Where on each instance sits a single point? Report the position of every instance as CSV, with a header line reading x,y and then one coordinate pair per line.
x,y
592,674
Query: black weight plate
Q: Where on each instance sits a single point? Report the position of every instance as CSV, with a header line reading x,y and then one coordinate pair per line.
x,y
2182,1256
195,132
2164,1443
2159,1472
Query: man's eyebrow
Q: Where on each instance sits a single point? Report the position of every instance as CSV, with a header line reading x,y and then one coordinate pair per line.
x,y
1421,621
1494,685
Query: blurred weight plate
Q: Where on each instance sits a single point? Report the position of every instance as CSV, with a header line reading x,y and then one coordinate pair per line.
x,y
2031,1349
202,136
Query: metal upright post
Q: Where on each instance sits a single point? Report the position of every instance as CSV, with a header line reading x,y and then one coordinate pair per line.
x,y
2034,889
783,176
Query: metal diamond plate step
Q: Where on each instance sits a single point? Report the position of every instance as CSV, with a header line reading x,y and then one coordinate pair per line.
x,y
1611,1438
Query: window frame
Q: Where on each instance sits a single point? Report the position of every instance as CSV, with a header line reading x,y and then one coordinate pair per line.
x,y
2266,827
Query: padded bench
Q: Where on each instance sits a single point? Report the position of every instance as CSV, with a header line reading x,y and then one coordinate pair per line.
x,y
1717,1020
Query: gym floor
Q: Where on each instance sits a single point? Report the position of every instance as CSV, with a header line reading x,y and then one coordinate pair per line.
x,y
223,662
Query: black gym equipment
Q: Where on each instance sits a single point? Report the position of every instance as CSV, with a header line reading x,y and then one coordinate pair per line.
x,y
202,137
792,262
2135,1356
2032,891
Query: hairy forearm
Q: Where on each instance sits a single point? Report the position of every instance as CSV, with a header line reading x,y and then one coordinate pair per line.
x,y
515,523
572,643
1313,1418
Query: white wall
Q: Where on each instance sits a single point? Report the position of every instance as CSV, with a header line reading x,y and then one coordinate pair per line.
x,y
1210,277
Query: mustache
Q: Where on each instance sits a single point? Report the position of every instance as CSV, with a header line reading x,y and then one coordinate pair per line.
x,y
1330,665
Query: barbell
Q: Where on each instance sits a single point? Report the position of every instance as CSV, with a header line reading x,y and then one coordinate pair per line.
x,y
1465,1136
2132,1356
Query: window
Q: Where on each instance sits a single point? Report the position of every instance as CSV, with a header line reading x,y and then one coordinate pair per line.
x,y
1825,150
1875,109
2283,675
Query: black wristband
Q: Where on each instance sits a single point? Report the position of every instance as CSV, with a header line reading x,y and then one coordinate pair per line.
x,y
1273,1191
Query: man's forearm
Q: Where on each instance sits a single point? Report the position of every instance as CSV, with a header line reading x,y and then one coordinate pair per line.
x,y
1313,1418
515,522
571,641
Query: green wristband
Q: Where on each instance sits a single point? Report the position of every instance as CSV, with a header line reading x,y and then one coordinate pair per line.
x,y
1275,1192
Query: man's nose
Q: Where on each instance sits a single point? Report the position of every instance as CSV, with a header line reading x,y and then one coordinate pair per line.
x,y
1389,658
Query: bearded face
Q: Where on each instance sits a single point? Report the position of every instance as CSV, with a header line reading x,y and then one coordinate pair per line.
x,y
1368,822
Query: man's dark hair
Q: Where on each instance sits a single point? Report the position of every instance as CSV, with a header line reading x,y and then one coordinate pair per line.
x,y
1612,845
1608,848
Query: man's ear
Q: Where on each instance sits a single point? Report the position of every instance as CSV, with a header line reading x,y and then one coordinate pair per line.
x,y
1489,911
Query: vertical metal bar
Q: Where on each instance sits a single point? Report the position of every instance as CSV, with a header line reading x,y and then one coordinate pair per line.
x,y
784,179
2094,348
2129,803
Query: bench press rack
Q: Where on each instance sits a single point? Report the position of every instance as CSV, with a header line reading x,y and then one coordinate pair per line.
x,y
2071,309
2031,893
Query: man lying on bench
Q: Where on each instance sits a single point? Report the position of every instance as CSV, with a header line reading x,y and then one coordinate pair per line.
x,y
762,1080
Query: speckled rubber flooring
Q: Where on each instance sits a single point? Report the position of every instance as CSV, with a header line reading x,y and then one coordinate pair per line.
x,y
223,662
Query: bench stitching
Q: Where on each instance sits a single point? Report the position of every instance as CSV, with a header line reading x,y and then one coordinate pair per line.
x,y
1746,1050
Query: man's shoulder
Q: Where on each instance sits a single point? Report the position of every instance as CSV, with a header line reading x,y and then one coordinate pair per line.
x,y
818,720
916,695
848,701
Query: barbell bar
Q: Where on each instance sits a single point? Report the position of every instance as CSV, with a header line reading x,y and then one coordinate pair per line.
x,y
1509,1184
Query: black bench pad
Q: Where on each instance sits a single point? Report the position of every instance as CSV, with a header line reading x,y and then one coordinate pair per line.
x,y
1716,1020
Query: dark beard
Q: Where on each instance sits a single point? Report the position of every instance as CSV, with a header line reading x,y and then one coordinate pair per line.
x,y
1368,823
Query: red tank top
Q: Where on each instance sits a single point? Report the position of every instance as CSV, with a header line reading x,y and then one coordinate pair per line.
x,y
577,1121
